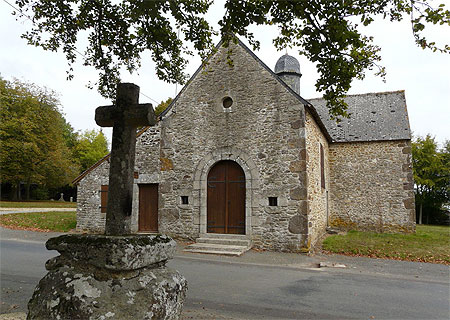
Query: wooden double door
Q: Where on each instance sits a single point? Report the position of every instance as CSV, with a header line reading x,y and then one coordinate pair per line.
x,y
148,208
226,198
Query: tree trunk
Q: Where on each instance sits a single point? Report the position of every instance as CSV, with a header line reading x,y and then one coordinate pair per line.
x,y
420,214
13,193
19,192
27,190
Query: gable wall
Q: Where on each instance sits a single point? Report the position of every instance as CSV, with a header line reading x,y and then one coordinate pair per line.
x,y
371,186
317,196
263,131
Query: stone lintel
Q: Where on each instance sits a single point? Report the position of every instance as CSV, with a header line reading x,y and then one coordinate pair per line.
x,y
115,253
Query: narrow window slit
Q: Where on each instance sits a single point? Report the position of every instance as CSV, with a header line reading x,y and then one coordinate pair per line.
x,y
273,201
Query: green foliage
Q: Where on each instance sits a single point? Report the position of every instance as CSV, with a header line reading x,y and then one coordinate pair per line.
x,y
40,221
90,146
431,169
33,149
40,193
325,31
428,244
69,135
119,32
162,106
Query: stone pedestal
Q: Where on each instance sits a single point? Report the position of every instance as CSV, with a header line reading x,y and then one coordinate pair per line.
x,y
109,277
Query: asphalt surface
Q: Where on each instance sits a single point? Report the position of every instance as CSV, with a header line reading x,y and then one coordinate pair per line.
x,y
263,285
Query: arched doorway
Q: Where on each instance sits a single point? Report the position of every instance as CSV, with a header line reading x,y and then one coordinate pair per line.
x,y
226,198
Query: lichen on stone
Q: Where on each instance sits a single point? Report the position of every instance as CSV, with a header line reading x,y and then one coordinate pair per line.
x,y
79,289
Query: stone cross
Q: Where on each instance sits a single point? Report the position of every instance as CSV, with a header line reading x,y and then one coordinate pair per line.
x,y
125,116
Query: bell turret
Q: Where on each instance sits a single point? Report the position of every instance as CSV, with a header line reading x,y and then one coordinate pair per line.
x,y
288,69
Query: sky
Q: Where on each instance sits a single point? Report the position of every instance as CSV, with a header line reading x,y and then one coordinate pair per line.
x,y
424,75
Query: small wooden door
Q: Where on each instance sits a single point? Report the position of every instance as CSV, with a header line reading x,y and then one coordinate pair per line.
x,y
148,207
226,198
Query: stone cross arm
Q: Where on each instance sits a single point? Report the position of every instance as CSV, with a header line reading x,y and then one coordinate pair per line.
x,y
127,111
124,116
138,115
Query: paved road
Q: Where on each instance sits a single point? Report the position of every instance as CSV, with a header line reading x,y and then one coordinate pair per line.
x,y
268,285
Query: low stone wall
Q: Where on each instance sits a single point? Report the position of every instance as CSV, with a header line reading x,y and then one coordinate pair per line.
x,y
371,186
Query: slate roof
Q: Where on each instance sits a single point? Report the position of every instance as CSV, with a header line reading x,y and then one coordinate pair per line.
x,y
287,63
373,117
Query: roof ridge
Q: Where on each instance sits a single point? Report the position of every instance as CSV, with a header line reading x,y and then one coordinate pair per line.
x,y
366,94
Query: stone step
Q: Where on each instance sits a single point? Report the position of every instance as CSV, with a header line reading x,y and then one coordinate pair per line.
x,y
224,236
212,248
233,242
218,252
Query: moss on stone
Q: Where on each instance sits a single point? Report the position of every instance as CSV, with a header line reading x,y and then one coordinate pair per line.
x,y
343,224
102,240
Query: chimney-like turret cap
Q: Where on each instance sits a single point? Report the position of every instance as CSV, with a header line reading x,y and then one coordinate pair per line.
x,y
287,63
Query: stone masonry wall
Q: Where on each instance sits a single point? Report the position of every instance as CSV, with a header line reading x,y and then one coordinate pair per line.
x,y
317,196
147,165
89,217
263,131
371,186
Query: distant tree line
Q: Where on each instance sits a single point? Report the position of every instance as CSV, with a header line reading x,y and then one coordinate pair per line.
x,y
40,153
431,168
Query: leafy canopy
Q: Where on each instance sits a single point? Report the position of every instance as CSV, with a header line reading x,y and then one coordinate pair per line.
x,y
90,146
33,148
163,106
325,31
431,169
119,32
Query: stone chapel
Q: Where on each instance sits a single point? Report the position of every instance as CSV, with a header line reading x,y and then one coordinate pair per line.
x,y
239,157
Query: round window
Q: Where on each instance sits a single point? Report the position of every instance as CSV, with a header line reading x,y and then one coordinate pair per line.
x,y
227,102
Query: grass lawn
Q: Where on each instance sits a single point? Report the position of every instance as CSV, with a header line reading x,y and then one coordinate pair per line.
x,y
428,244
40,221
37,204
